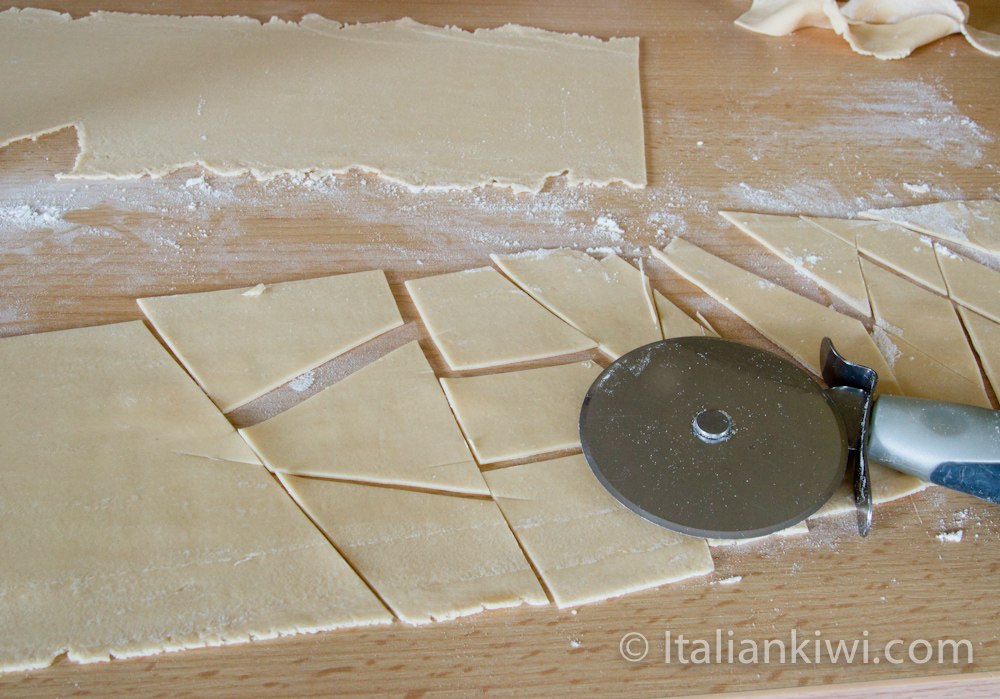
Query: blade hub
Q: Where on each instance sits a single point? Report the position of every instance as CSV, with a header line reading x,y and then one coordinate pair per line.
x,y
713,426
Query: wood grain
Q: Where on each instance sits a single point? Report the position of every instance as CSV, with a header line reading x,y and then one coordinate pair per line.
x,y
733,120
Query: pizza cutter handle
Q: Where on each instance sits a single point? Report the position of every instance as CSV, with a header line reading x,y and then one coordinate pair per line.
x,y
957,446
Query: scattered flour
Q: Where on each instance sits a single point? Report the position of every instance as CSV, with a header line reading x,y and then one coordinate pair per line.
x,y
303,382
951,537
886,346
732,580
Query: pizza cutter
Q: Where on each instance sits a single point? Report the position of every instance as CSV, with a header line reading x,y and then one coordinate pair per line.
x,y
714,438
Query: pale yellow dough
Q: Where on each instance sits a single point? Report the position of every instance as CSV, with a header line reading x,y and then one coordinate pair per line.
x,y
826,259
794,323
426,106
794,530
887,485
972,223
985,335
585,545
429,557
240,343
521,413
136,520
386,423
479,319
971,284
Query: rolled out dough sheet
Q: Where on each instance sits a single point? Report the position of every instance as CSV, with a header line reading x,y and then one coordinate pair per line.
x,y
985,336
813,251
585,545
605,300
971,284
426,106
430,557
239,344
794,323
136,520
909,253
521,413
887,485
794,530
972,223
386,423
478,319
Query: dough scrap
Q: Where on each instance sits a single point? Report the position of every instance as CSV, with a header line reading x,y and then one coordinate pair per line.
x,y
909,253
781,17
971,284
605,300
920,318
972,223
238,344
794,530
985,336
794,323
585,545
521,413
386,423
143,522
453,109
479,319
430,557
824,258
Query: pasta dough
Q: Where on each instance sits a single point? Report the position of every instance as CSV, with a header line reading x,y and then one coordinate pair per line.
x,y
386,423
426,106
521,413
140,522
240,343
972,223
585,545
971,284
887,485
429,557
985,336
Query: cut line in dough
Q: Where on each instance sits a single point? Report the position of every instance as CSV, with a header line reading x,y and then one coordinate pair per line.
x,y
453,109
985,336
971,284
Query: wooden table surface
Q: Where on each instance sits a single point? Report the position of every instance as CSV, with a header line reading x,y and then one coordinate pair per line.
x,y
733,120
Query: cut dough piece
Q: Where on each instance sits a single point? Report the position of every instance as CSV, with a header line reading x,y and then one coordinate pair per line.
x,y
239,344
521,413
605,300
973,285
511,105
478,319
813,251
972,223
987,42
887,485
386,423
898,40
909,253
780,17
920,318
136,520
585,545
985,335
429,557
794,530
794,323
674,321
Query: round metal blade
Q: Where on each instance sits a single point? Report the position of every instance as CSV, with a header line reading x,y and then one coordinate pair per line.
x,y
713,438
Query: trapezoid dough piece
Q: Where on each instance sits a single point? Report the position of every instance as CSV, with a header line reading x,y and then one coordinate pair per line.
x,y
511,105
887,485
585,545
430,557
972,223
238,344
985,336
136,520
386,423
794,530
521,413
815,253
605,300
921,318
971,284
794,323
905,251
480,319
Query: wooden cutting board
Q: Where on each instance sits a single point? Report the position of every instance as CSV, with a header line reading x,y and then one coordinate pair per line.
x,y
733,121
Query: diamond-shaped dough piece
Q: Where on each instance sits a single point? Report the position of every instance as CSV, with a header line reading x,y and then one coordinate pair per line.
x,y
909,253
479,319
973,285
605,300
815,253
985,335
972,223
386,423
794,323
239,344
521,413
430,557
136,520
920,318
585,545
